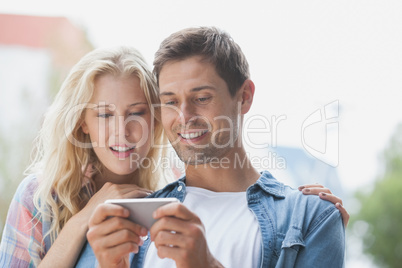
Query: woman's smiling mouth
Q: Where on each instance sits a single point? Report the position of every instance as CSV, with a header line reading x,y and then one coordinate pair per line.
x,y
122,151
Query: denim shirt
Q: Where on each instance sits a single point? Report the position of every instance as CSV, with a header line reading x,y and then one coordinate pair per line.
x,y
296,230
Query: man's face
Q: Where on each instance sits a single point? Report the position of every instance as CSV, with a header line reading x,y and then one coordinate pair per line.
x,y
199,116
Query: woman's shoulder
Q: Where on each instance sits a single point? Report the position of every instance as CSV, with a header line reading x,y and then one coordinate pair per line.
x,y
29,184
26,190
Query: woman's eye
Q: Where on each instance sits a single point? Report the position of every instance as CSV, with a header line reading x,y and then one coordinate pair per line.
x,y
136,114
104,115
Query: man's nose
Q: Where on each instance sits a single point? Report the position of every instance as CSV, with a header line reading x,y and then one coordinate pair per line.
x,y
188,112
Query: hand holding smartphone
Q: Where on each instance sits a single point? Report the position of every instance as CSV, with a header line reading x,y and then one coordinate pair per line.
x,y
141,209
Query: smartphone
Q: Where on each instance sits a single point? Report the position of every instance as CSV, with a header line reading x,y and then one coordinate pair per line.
x,y
141,209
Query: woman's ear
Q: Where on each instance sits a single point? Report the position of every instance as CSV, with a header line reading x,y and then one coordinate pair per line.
x,y
247,95
84,127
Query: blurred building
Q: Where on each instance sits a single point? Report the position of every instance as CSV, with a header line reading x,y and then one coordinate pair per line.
x,y
302,168
36,54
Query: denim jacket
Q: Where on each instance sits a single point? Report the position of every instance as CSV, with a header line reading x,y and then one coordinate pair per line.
x,y
296,230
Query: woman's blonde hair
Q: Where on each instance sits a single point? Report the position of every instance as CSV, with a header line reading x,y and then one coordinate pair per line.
x,y
63,151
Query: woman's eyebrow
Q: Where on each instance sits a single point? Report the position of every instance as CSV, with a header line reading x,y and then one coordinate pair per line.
x,y
108,106
137,103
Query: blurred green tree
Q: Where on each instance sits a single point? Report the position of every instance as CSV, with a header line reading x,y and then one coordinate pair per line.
x,y
381,209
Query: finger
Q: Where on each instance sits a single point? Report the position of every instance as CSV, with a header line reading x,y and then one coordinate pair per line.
x,y
103,211
126,188
124,249
170,224
115,254
136,194
118,190
174,253
119,237
310,186
166,238
330,197
344,213
128,191
115,224
315,191
177,210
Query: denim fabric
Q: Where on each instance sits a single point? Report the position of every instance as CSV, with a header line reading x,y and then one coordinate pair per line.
x,y
297,230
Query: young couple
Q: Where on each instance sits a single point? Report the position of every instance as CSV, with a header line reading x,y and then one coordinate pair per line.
x,y
110,110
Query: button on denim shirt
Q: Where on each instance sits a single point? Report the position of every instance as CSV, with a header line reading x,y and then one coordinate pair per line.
x,y
296,230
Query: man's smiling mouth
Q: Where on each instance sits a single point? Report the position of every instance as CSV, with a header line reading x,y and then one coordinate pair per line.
x,y
192,135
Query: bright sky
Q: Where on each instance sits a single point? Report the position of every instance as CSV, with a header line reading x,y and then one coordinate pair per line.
x,y
303,56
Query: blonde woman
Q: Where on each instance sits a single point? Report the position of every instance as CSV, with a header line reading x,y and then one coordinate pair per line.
x,y
97,132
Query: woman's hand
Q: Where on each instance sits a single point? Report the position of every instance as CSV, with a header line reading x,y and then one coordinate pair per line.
x,y
326,194
113,191
72,237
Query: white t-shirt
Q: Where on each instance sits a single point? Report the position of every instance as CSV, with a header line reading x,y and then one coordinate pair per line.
x,y
232,230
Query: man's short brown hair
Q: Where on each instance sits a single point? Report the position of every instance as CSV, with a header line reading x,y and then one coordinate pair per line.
x,y
214,45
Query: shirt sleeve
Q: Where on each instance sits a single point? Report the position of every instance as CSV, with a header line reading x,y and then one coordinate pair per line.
x,y
322,246
22,242
325,244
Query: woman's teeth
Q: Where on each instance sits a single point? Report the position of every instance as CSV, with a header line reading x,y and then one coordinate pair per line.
x,y
121,149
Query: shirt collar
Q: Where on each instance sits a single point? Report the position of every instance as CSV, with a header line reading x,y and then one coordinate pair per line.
x,y
270,185
266,182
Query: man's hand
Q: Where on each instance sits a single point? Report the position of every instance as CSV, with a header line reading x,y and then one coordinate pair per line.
x,y
112,236
326,194
180,235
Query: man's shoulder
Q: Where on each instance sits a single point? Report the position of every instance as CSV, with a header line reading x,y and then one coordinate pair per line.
x,y
292,207
172,189
305,213
306,204
289,196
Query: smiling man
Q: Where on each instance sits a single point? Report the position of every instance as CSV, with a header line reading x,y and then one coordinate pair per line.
x,y
200,117
231,215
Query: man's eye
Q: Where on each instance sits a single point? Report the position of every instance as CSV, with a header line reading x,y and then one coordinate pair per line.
x,y
170,102
203,99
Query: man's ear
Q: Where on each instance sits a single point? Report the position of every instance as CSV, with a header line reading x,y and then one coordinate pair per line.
x,y
247,95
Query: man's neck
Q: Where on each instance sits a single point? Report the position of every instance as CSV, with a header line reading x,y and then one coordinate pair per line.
x,y
233,174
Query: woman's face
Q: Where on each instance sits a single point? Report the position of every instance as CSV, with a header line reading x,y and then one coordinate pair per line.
x,y
118,122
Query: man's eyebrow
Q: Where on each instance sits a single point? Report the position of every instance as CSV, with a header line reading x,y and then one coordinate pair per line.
x,y
166,94
196,89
